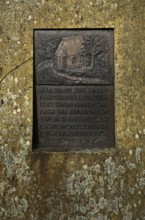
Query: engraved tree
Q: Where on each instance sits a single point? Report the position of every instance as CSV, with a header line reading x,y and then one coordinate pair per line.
x,y
47,49
93,45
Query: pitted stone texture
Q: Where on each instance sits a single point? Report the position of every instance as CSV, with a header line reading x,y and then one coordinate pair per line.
x,y
102,185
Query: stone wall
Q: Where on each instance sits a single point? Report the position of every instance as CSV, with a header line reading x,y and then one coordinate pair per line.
x,y
98,185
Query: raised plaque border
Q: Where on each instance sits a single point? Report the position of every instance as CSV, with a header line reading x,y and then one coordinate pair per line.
x,y
35,119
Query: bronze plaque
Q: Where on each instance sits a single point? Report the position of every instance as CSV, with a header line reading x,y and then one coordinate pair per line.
x,y
73,89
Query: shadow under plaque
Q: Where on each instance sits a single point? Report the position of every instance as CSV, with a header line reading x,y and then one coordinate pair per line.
x,y
73,89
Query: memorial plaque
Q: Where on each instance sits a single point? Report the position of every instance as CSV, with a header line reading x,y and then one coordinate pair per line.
x,y
73,89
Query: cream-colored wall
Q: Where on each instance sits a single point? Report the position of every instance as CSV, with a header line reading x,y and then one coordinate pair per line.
x,y
103,185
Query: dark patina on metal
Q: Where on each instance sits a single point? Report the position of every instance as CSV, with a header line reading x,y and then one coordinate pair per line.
x,y
73,89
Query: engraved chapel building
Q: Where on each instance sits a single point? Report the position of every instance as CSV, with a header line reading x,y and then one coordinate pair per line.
x,y
68,53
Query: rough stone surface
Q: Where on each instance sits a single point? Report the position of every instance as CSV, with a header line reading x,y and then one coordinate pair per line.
x,y
102,185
